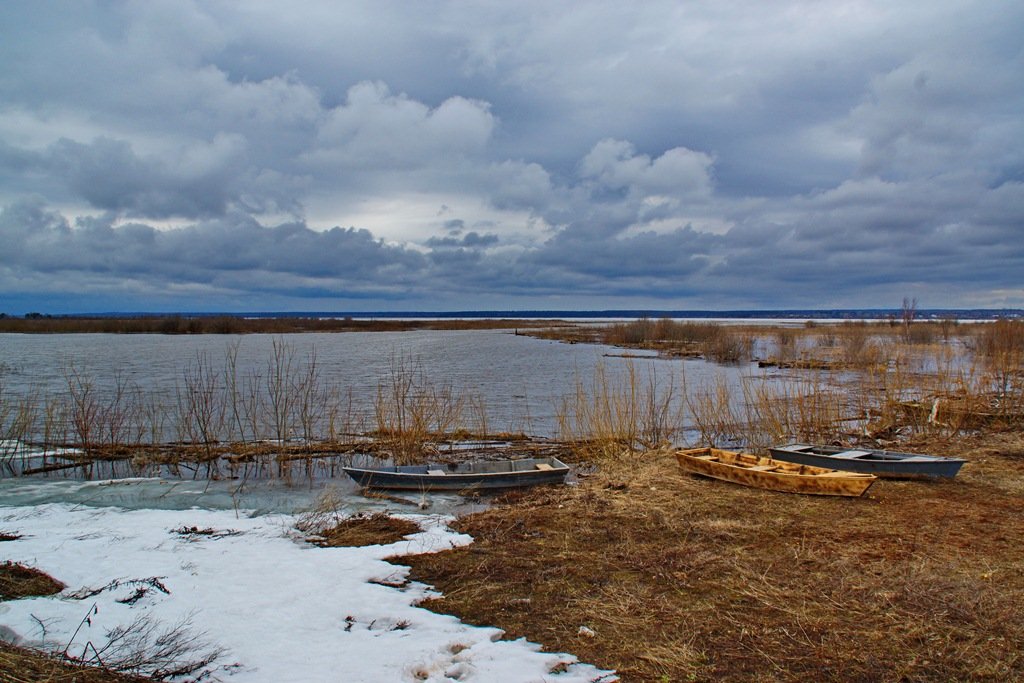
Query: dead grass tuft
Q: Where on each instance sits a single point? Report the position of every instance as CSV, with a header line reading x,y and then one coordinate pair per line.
x,y
376,529
21,665
18,581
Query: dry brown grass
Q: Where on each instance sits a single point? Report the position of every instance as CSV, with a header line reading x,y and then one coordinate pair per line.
x,y
19,581
374,529
682,578
19,665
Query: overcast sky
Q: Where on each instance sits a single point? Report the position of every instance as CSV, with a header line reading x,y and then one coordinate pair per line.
x,y
187,156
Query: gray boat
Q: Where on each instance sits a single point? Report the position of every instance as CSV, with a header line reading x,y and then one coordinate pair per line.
x,y
477,475
881,463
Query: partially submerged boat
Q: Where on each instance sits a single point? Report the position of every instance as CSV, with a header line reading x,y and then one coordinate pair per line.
x,y
881,463
487,475
766,473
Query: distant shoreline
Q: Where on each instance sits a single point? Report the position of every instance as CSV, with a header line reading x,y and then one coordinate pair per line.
x,y
555,314
287,323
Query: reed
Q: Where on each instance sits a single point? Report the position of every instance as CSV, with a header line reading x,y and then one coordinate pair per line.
x,y
713,341
607,417
710,407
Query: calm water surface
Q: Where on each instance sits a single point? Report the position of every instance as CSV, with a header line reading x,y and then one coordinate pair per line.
x,y
520,380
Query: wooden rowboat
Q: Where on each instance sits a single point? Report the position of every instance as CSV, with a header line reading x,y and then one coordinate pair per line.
x,y
498,474
774,475
873,461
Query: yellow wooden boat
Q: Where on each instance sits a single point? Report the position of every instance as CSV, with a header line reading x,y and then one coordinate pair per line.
x,y
774,475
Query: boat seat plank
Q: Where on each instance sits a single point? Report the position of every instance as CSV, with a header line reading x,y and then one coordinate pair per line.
x,y
849,455
544,466
436,473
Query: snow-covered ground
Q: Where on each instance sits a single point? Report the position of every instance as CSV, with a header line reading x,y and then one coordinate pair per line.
x,y
279,608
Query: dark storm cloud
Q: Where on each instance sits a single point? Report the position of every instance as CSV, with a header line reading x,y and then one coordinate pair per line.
x,y
225,254
668,154
469,240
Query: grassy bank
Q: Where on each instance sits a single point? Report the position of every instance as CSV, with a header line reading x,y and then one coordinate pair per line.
x,y
667,577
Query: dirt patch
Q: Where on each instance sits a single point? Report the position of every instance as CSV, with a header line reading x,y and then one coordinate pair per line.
x,y
18,581
4,536
375,529
664,576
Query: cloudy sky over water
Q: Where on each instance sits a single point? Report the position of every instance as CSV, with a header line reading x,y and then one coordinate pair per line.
x,y
169,156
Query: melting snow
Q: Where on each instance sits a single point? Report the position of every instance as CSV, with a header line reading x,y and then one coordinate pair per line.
x,y
280,608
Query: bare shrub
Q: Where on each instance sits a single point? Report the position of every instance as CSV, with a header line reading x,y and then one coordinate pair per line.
x,y
727,346
85,407
202,403
663,330
855,344
921,332
785,343
325,512
281,372
410,410
804,410
146,648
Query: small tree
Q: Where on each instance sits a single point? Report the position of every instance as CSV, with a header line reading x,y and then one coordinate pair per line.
x,y
907,314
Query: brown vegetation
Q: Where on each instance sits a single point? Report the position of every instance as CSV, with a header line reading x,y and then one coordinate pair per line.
x,y
20,665
373,529
18,581
680,578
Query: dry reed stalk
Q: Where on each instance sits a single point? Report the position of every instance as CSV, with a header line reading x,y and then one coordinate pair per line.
x,y
711,409
607,418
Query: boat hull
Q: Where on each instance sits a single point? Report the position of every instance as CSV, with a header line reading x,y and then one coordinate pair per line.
x,y
466,476
889,464
765,473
